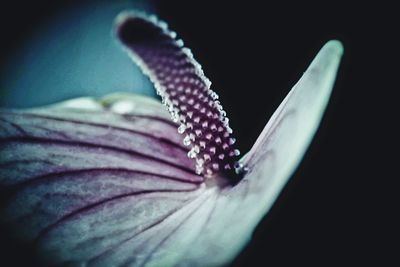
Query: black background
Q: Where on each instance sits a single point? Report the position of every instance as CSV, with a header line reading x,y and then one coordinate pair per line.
x,y
339,208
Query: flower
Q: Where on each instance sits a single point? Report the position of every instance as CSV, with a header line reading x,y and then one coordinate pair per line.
x,y
109,182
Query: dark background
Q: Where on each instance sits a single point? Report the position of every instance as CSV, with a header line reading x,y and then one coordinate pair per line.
x,y
340,206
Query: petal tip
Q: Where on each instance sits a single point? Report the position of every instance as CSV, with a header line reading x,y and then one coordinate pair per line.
x,y
335,47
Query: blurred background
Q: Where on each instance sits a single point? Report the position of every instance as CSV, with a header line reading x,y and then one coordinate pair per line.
x,y
340,207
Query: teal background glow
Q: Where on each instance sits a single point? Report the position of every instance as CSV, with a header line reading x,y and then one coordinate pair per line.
x,y
72,54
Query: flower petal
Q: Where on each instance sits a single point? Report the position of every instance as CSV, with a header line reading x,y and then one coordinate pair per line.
x,y
293,125
283,142
81,180
109,184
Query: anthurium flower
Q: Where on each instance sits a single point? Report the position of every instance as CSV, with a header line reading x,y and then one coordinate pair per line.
x,y
112,182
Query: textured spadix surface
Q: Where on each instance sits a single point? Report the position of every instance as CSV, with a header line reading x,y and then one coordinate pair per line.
x,y
108,182
184,89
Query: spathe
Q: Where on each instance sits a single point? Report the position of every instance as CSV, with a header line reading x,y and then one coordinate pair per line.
x,y
108,183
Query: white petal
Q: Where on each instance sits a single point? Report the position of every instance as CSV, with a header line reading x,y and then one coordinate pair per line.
x,y
283,142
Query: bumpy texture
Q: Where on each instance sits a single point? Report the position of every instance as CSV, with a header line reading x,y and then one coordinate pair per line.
x,y
185,90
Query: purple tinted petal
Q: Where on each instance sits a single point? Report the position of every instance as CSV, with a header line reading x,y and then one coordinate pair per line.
x,y
83,180
137,142
109,184
166,243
